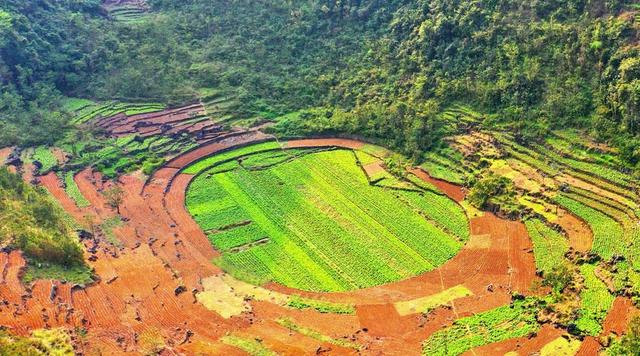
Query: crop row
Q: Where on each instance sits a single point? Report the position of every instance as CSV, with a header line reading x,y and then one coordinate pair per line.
x,y
88,112
337,230
553,167
597,170
73,191
228,155
580,153
507,322
595,302
608,235
549,246
444,211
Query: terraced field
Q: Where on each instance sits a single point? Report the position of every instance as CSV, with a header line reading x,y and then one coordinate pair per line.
x,y
310,219
273,247
126,11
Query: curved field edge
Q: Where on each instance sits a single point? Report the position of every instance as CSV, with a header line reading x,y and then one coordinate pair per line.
x,y
253,213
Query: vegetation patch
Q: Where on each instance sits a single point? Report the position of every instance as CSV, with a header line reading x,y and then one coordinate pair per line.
x,y
561,346
51,342
253,347
549,246
327,227
71,187
35,224
595,302
428,303
291,325
507,322
320,305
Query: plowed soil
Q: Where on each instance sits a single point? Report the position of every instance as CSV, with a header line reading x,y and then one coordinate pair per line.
x,y
147,285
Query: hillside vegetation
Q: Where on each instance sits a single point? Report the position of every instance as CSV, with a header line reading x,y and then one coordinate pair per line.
x,y
382,69
33,223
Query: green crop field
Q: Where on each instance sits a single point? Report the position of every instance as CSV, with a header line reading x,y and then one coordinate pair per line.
x,y
595,302
314,222
73,191
44,155
507,322
608,235
549,246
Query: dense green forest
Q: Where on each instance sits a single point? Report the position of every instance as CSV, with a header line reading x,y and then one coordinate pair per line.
x,y
383,69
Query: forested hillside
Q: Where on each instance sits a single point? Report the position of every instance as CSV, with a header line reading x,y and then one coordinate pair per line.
x,y
381,68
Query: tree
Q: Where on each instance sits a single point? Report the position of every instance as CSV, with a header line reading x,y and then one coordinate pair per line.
x,y
114,197
559,278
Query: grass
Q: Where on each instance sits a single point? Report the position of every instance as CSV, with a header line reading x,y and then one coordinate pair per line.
x,y
595,302
50,342
108,226
292,326
507,322
251,346
443,173
321,306
561,346
428,303
328,229
80,274
549,246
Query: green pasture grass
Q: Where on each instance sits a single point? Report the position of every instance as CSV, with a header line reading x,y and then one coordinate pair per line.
x,y
80,274
75,104
442,172
328,229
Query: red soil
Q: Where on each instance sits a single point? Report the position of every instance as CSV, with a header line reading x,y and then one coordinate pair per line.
x,y
590,347
619,316
4,154
578,232
454,192
162,249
